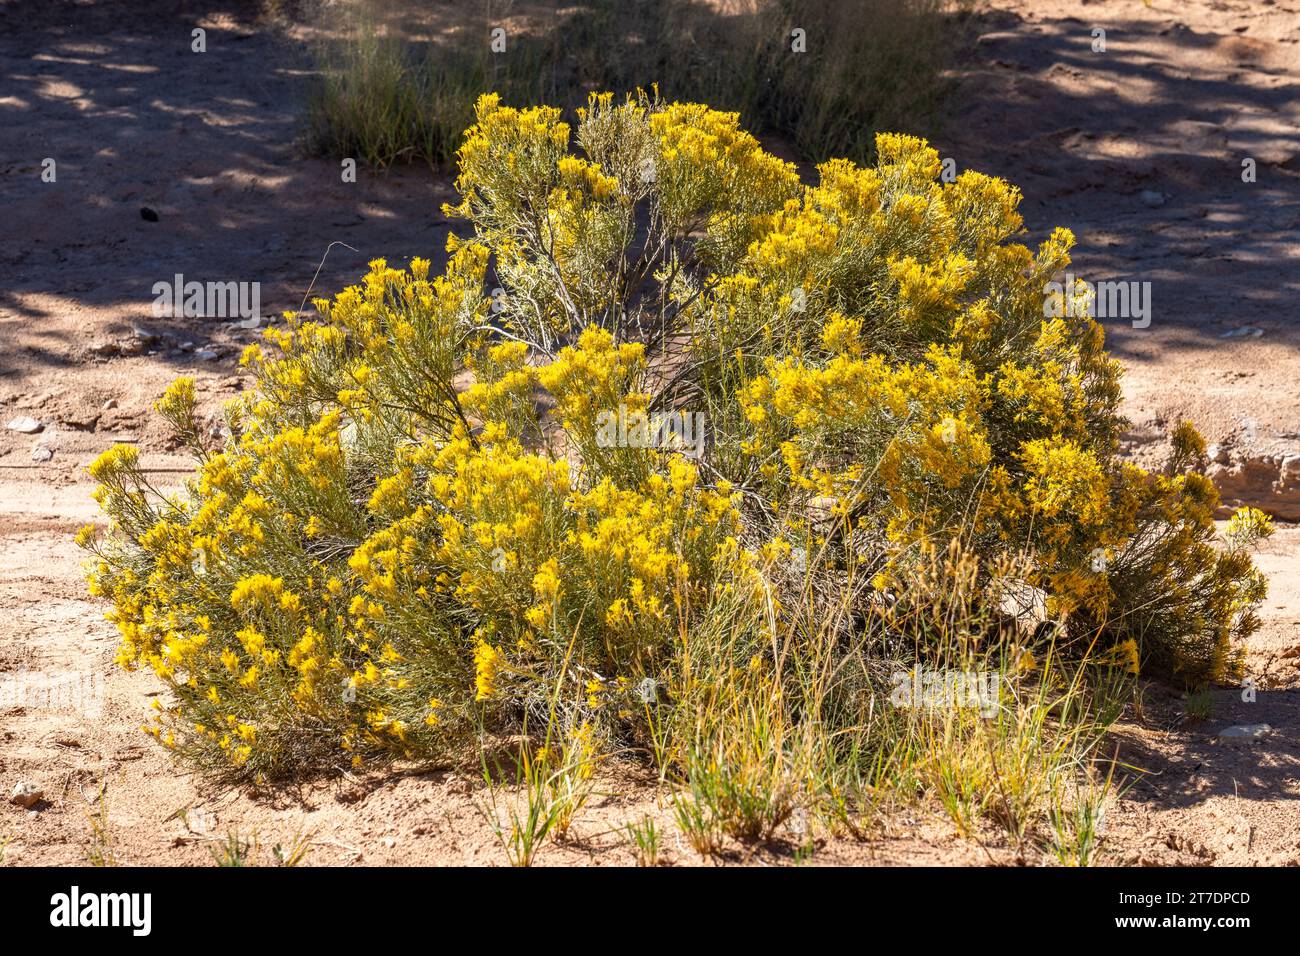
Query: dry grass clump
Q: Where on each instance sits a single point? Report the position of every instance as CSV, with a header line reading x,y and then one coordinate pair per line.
x,y
394,85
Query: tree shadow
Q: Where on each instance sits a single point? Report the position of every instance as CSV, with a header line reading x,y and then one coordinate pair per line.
x,y
1139,150
131,117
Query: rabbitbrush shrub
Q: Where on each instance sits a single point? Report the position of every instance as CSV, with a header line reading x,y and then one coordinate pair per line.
x,y
452,504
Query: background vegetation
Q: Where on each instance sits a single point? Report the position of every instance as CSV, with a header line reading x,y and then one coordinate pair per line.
x,y
394,87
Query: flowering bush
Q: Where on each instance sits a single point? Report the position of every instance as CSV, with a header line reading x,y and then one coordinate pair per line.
x,y
423,523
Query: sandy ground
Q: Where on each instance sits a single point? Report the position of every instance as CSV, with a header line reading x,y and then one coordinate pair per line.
x,y
1137,149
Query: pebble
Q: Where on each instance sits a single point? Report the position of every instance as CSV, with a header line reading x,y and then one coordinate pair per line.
x,y
42,453
26,424
1245,732
1152,198
206,355
27,794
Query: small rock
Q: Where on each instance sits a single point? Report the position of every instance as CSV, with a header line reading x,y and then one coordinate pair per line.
x,y
390,842
1243,332
148,215
1152,198
206,355
42,453
1249,732
27,794
1024,606
111,403
26,424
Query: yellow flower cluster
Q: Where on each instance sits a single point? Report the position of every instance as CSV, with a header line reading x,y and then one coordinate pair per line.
x,y
850,425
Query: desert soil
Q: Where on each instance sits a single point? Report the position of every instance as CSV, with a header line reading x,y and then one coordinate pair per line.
x,y
1138,149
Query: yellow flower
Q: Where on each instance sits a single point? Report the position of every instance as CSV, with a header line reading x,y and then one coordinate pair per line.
x,y
546,582
433,719
1128,652
488,662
